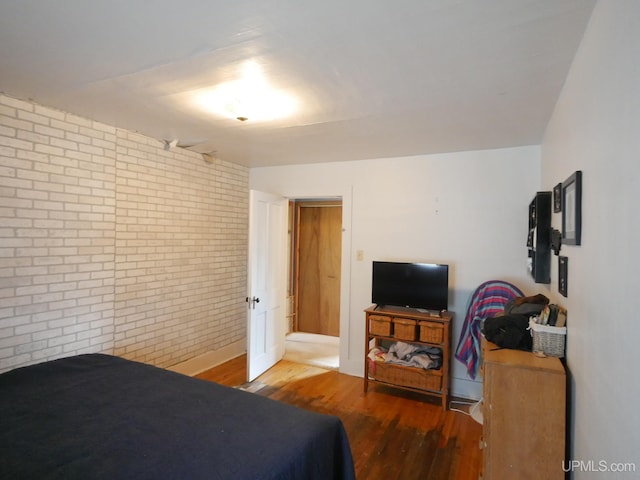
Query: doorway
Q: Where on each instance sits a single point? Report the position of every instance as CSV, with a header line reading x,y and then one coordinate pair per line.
x,y
316,266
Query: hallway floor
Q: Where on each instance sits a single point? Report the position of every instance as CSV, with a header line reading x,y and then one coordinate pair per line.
x,y
313,349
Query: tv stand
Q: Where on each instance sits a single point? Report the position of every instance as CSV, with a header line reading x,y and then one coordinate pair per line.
x,y
387,324
431,313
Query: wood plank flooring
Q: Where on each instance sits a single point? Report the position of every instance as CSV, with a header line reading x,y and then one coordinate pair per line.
x,y
393,434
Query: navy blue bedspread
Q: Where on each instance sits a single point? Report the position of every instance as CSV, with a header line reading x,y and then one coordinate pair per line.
x,y
102,417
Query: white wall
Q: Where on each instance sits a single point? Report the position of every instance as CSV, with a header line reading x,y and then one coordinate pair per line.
x,y
466,209
596,129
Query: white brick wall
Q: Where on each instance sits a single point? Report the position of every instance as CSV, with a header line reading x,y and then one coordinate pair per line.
x,y
181,247
108,243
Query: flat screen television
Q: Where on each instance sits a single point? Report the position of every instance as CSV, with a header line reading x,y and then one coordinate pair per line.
x,y
415,285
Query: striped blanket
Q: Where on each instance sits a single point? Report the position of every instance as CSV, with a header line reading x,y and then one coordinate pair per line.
x,y
487,301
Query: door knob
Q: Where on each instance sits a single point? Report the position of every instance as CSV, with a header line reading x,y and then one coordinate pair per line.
x,y
252,301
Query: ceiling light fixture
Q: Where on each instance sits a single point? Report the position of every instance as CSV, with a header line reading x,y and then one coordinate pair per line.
x,y
250,97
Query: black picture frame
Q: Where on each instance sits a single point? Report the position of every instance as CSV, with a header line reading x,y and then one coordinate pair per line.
x,y
557,198
556,241
572,209
563,276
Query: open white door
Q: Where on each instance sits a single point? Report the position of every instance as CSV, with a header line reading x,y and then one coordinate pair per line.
x,y
267,282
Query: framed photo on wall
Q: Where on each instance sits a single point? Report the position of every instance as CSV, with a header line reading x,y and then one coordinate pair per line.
x,y
572,209
557,198
563,275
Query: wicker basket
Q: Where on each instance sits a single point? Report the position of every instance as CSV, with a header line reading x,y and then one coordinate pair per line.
x,y
548,340
407,376
431,332
405,329
380,325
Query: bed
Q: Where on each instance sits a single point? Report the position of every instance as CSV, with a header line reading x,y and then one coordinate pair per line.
x,y
98,416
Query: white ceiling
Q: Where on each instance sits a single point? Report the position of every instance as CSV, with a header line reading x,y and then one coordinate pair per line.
x,y
374,78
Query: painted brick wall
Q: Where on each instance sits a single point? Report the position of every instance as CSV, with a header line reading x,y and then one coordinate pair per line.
x,y
181,248
109,243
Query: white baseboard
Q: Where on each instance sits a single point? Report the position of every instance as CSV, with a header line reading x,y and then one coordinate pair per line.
x,y
210,359
352,367
466,388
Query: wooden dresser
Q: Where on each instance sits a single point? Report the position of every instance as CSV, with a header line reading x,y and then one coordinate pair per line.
x,y
524,415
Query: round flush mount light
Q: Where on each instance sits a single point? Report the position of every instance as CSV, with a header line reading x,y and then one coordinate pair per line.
x,y
251,96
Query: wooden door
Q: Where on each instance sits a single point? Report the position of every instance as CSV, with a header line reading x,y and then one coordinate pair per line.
x,y
319,248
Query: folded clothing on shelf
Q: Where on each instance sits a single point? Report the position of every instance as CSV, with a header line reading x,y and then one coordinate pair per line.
x,y
408,354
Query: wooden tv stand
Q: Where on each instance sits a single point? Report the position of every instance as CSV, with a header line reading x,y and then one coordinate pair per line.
x,y
412,326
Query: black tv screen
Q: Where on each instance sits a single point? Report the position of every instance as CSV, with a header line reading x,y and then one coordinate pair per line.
x,y
415,285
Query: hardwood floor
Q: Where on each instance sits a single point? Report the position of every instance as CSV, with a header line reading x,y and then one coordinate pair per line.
x,y
393,434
